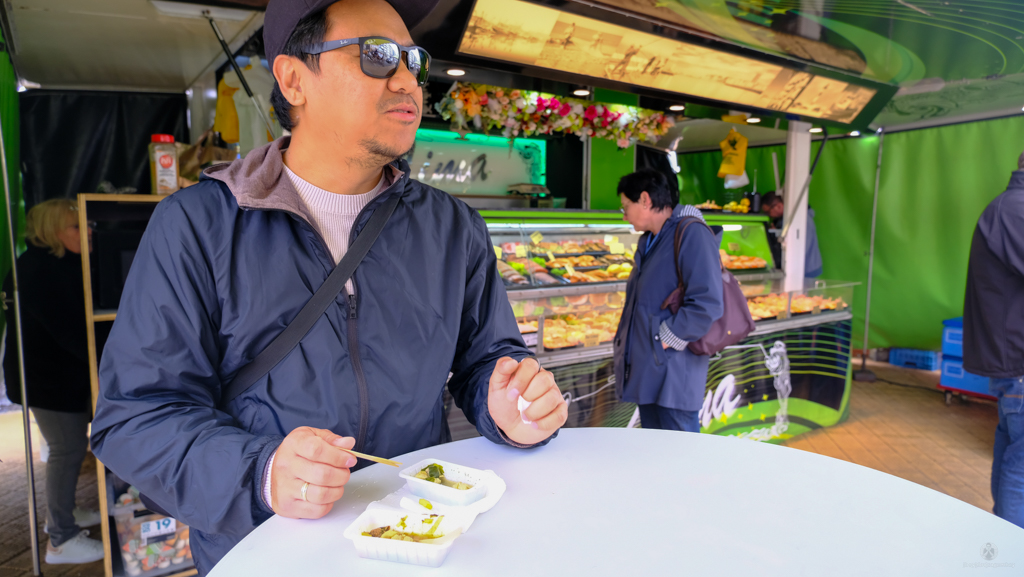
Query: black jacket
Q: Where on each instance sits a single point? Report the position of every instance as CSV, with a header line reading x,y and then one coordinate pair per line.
x,y
53,325
994,304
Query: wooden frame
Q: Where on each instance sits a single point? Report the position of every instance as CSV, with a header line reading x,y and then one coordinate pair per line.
x,y
93,316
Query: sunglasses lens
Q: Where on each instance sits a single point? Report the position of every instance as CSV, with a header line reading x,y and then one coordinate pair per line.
x,y
380,57
419,64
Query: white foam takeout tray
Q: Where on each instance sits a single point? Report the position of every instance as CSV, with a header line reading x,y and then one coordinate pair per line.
x,y
430,554
447,495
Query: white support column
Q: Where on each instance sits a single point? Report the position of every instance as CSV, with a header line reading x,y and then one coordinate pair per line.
x,y
798,164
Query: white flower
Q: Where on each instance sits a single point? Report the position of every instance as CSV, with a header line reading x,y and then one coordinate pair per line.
x,y
521,102
577,109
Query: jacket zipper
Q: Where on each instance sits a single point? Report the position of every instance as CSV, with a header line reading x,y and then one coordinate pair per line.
x,y
353,317
353,332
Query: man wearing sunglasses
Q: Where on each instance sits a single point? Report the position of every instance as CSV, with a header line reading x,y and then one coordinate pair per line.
x,y
227,264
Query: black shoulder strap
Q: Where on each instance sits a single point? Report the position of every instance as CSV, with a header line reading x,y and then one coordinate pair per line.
x,y
283,344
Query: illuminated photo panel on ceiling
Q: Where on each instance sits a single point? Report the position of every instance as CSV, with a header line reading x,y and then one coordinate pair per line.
x,y
533,35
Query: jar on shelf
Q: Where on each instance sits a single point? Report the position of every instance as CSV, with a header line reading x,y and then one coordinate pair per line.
x,y
163,164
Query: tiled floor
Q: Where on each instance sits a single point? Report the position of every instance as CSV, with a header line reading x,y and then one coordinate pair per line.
x,y
904,429
910,432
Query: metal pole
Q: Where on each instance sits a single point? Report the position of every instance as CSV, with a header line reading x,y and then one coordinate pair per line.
x,y
33,530
864,374
803,191
241,78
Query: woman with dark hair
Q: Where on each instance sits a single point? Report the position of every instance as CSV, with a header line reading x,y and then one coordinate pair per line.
x,y
56,368
653,367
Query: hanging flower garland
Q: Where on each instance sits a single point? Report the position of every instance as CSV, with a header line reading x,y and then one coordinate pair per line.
x,y
523,113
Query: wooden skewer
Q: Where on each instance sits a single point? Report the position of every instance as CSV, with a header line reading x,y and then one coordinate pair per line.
x,y
372,458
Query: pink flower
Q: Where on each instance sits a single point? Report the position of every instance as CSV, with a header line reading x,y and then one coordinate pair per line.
x,y
622,142
590,113
565,109
542,103
514,94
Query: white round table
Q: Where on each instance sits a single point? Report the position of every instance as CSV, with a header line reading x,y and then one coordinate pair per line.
x,y
645,502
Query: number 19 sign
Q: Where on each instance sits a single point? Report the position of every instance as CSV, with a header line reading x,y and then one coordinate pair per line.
x,y
158,528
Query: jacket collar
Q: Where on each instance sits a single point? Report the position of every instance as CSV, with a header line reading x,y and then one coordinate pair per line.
x,y
259,181
1017,179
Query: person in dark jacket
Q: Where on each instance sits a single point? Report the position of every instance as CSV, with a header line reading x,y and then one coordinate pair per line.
x,y
225,265
653,367
994,334
56,358
773,206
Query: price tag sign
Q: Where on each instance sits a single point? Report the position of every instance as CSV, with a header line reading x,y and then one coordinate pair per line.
x,y
617,248
569,269
816,310
734,246
497,252
158,528
551,257
783,315
608,239
520,251
591,340
536,237
633,246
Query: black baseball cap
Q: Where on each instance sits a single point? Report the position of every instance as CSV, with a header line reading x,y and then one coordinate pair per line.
x,y
283,15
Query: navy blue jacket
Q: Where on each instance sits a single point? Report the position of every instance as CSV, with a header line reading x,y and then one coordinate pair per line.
x,y
645,373
223,267
994,300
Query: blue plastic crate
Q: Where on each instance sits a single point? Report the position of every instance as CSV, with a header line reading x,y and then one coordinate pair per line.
x,y
953,337
955,377
915,359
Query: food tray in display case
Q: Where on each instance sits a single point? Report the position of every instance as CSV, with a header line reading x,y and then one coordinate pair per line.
x,y
817,302
559,248
744,248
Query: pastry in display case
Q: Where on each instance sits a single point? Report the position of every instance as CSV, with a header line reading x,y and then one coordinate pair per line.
x,y
767,301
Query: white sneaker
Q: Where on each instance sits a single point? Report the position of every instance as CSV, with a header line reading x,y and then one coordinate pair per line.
x,y
81,549
83,518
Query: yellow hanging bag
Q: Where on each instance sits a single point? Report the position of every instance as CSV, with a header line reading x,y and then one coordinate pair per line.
x,y
734,154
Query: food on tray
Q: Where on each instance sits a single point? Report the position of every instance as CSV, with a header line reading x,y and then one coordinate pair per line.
x,y
598,299
527,327
569,330
614,259
400,533
575,261
426,504
544,278
742,206
616,300
434,473
769,306
709,205
510,275
741,262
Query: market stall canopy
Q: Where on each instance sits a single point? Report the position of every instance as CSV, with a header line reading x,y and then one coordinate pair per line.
x,y
122,44
948,61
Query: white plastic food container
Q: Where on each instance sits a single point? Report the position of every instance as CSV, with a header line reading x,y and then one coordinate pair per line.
x,y
426,554
442,494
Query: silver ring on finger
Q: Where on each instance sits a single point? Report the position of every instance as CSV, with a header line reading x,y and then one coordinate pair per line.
x,y
305,487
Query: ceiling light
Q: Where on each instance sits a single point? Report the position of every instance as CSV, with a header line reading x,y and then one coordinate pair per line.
x,y
753,120
455,72
187,10
581,92
815,130
677,108
855,133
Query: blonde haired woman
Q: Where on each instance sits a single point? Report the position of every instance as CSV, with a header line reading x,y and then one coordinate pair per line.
x,y
56,368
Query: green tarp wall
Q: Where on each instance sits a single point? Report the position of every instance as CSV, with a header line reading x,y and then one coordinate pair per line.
x,y
12,145
607,163
935,183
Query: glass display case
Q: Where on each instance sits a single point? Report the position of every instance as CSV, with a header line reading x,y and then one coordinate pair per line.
x,y
565,273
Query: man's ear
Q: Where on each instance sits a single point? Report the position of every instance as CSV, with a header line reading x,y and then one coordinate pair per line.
x,y
287,71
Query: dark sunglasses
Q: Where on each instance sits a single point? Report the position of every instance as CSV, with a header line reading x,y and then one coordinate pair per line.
x,y
380,57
